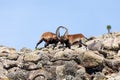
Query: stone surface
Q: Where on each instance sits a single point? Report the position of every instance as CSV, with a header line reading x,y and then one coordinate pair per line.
x,y
101,61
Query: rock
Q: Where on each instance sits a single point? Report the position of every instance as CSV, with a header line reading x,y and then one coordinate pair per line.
x,y
18,75
59,54
118,53
31,66
4,49
3,74
25,50
7,64
100,62
31,57
113,64
114,76
81,74
14,69
64,53
95,45
3,54
38,74
59,72
4,78
99,76
111,43
91,59
45,60
12,56
70,68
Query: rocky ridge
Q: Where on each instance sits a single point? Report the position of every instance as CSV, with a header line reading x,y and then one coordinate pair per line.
x,y
101,61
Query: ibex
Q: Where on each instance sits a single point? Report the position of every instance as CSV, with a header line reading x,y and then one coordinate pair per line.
x,y
71,39
50,38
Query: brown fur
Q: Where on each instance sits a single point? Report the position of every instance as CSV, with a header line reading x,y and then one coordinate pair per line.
x,y
70,39
74,37
50,38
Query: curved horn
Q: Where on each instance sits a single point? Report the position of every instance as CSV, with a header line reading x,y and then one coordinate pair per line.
x,y
66,32
57,32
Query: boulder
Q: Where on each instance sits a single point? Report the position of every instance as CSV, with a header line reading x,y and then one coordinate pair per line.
x,y
31,57
91,59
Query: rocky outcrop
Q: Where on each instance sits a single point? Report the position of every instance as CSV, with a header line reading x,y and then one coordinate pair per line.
x,y
101,61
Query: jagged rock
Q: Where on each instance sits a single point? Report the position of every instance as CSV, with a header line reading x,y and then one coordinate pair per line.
x,y
52,70
59,72
95,45
14,69
31,66
101,61
3,78
38,75
25,50
111,43
108,54
3,54
31,57
114,76
91,59
59,54
12,56
7,64
99,76
3,74
113,64
18,75
106,70
81,74
65,53
118,53
3,71
4,49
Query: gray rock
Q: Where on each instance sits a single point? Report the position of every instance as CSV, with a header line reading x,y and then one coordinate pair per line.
x,y
31,66
7,64
114,76
12,56
18,75
111,43
39,74
31,57
25,50
99,76
4,49
95,45
59,72
91,59
3,54
100,62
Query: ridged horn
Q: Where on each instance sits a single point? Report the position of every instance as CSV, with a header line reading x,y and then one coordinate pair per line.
x,y
66,32
58,32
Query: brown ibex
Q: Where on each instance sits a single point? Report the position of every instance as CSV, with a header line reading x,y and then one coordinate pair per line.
x,y
71,39
50,38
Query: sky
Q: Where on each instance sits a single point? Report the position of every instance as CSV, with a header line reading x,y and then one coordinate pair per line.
x,y
22,22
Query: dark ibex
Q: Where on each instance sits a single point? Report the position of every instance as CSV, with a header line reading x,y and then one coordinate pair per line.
x,y
50,38
71,39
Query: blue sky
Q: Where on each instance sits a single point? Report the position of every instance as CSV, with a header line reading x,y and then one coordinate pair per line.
x,y
22,22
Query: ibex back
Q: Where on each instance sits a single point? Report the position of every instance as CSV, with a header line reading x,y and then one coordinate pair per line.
x,y
50,38
71,39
